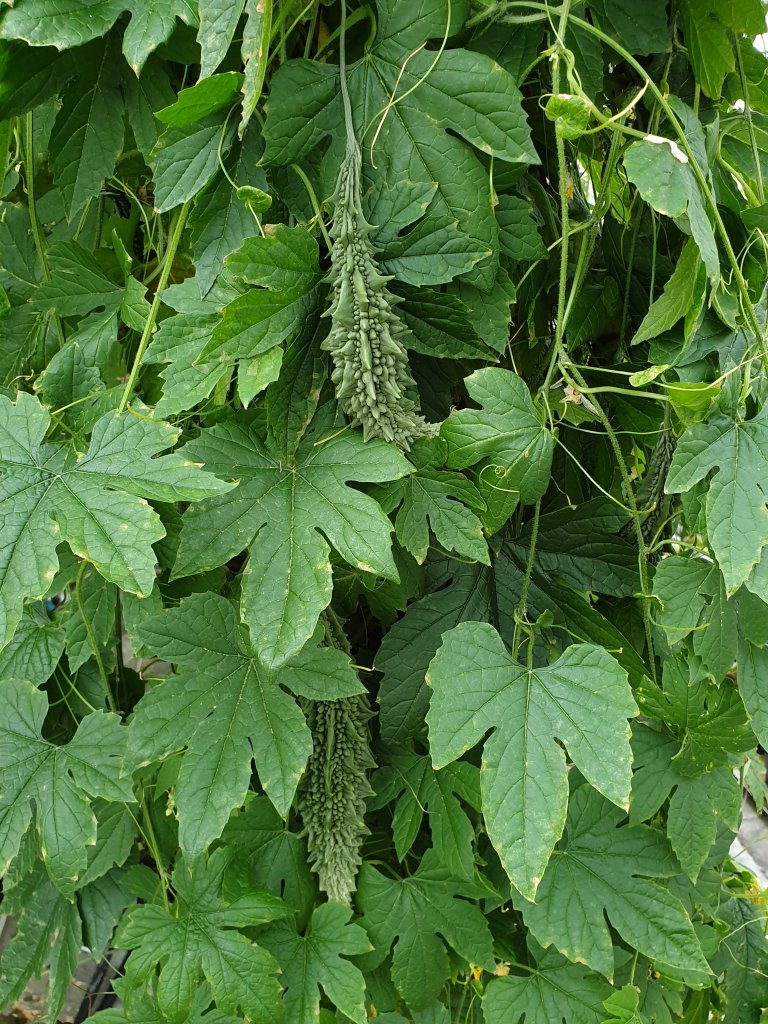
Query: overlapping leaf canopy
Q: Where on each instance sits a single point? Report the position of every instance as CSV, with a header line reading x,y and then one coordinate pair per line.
x,y
545,621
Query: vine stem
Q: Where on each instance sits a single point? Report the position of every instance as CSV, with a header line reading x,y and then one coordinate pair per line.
x,y
523,603
561,357
701,181
559,327
92,637
37,233
149,326
629,495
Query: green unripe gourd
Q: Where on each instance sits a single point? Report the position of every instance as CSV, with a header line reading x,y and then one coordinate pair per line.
x,y
371,374
333,792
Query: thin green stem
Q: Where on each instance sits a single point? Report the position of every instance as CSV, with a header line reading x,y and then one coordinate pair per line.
x,y
6,133
315,204
348,122
92,640
149,326
698,173
750,126
29,167
523,602
147,832
629,497
311,28
34,222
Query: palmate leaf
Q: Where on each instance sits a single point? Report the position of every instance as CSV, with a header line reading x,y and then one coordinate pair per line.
x,y
421,791
581,547
197,937
48,929
554,992
282,273
432,498
736,453
708,34
583,700
35,649
461,90
142,1008
95,502
743,954
600,869
463,593
227,708
270,857
220,221
507,434
88,133
60,780
218,21
697,802
316,960
417,913
186,158
282,511
180,340
695,611
709,721
67,23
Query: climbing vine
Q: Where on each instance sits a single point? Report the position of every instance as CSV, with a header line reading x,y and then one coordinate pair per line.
x,y
383,461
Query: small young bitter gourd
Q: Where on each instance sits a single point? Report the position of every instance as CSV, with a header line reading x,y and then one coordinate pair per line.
x,y
333,792
371,372
651,501
335,785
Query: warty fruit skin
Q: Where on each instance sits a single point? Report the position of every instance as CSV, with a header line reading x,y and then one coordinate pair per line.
x,y
371,373
334,790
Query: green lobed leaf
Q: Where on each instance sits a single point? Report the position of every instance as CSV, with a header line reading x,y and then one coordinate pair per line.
x,y
227,708
603,868
185,159
207,97
283,511
736,512
96,502
198,937
60,780
283,266
48,922
697,804
35,649
220,221
432,499
583,700
506,431
412,912
553,991
408,647
218,21
463,90
420,791
317,961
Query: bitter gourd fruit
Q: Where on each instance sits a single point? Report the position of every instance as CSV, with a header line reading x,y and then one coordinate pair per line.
x,y
333,792
651,501
371,373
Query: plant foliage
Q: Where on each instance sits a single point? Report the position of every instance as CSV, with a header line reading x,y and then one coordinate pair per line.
x,y
384,507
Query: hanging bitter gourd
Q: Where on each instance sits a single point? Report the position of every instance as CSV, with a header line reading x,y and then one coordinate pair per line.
x,y
651,501
371,373
333,792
